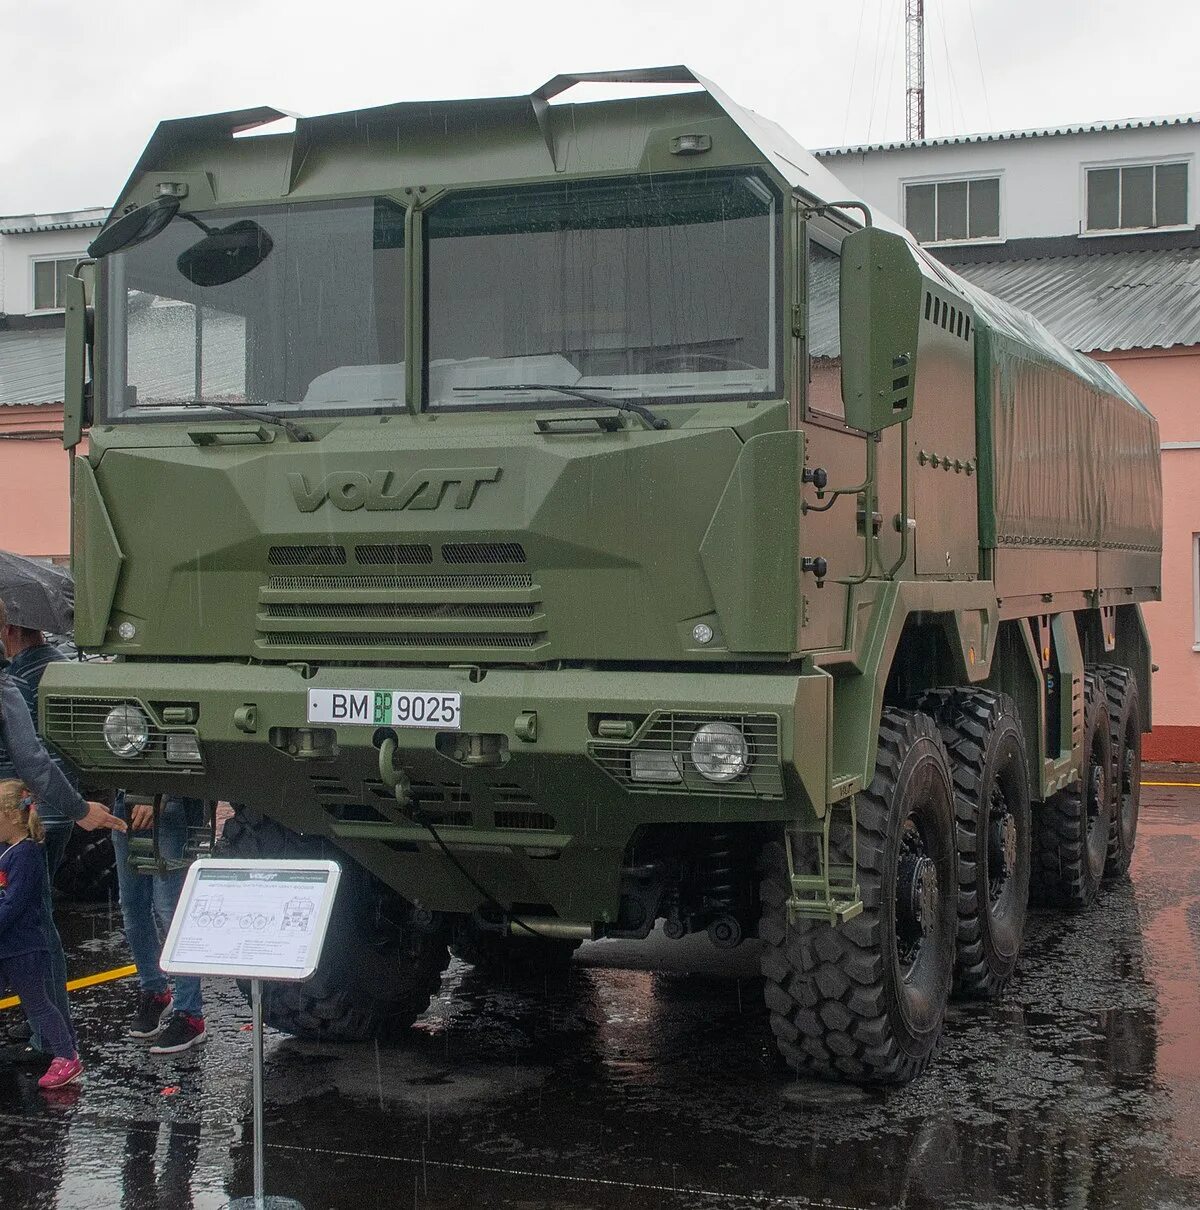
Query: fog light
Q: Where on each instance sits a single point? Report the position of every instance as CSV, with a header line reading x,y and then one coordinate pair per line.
x,y
720,752
127,631
183,749
126,730
654,766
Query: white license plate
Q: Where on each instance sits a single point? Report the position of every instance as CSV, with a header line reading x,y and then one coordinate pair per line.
x,y
385,708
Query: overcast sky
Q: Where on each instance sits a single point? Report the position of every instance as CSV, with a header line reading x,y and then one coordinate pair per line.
x,y
84,84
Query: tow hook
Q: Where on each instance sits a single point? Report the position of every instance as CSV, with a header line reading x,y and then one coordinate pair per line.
x,y
390,772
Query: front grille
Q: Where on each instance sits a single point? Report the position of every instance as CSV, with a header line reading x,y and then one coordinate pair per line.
x,y
295,556
76,725
483,552
463,612
393,553
672,731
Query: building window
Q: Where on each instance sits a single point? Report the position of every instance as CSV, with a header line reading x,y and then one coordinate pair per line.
x,y
49,278
1137,197
953,210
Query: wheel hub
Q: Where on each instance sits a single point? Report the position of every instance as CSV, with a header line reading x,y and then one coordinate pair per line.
x,y
917,896
1002,852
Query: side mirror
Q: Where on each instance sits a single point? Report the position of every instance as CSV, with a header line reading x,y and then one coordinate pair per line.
x,y
135,227
77,390
225,254
880,314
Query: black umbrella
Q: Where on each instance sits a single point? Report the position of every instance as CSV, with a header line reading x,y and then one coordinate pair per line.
x,y
37,595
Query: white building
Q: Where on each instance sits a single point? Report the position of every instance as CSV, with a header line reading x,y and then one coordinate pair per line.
x,y
37,251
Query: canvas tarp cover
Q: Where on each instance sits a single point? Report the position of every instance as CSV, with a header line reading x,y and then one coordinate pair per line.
x,y
1075,454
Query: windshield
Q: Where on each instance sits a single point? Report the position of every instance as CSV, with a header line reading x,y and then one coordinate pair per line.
x,y
313,322
658,287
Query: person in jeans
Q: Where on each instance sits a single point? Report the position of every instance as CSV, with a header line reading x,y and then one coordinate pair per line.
x,y
175,1023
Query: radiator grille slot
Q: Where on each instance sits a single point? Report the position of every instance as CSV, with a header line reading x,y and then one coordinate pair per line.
x,y
404,639
435,609
483,552
294,556
377,583
524,821
392,553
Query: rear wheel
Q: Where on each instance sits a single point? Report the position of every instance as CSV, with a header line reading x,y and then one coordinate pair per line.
x,y
1071,831
1125,731
383,958
866,1000
983,736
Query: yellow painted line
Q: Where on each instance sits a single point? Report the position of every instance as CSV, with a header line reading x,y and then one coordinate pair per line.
x,y
1193,785
118,972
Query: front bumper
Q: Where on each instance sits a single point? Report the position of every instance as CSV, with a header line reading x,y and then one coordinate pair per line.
x,y
546,825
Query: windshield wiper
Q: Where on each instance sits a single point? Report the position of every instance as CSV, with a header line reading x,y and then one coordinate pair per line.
x,y
624,405
296,431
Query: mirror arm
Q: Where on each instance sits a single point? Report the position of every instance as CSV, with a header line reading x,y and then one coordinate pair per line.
x,y
826,207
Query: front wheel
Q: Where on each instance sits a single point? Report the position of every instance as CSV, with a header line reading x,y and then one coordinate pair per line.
x,y
382,960
866,1000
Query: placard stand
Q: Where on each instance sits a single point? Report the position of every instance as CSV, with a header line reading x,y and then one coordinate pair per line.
x,y
256,920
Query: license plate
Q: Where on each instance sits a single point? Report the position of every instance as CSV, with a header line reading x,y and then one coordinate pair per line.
x,y
385,708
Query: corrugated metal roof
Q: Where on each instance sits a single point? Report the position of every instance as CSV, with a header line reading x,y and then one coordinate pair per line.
x,y
62,220
1118,300
32,365
1001,136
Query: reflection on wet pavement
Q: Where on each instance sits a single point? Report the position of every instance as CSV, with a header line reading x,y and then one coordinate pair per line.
x,y
631,1088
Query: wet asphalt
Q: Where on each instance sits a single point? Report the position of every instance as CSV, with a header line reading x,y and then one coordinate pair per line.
x,y
646,1078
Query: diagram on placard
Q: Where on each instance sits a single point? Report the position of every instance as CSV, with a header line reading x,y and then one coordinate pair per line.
x,y
298,914
207,913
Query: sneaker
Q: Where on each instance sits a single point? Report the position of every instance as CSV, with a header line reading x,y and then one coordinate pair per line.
x,y
183,1031
61,1073
153,1012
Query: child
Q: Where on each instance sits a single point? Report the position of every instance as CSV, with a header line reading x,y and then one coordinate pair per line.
x,y
24,948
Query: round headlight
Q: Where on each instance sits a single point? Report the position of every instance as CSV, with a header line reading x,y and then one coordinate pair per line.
x,y
126,730
720,752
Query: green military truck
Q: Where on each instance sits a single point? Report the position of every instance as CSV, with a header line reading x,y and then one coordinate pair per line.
x,y
583,516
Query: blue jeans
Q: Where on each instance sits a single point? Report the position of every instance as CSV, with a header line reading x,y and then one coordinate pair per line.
x,y
148,903
55,966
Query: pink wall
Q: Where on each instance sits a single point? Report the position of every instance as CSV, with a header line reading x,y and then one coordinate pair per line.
x,y
1168,383
34,485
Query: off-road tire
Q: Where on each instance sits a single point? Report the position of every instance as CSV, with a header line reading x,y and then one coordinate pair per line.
x,y
1125,729
382,961
840,1004
88,871
983,736
516,956
1071,830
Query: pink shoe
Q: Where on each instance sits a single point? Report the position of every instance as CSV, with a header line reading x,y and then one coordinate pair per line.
x,y
61,1073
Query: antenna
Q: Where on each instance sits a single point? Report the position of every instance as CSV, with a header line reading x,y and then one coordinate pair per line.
x,y
914,68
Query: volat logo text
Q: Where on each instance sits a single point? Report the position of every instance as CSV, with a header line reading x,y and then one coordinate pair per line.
x,y
376,490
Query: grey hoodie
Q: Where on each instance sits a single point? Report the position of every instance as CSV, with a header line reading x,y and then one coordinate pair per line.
x,y
54,795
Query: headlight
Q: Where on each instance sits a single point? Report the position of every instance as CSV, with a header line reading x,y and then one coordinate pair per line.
x,y
126,731
651,765
720,752
183,749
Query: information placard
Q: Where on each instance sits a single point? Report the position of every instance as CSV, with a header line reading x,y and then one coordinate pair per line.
x,y
254,919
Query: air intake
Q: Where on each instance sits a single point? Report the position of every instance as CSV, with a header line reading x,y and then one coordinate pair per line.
x,y
299,556
391,554
483,552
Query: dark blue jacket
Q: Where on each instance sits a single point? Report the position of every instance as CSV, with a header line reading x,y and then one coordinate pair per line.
x,y
29,761
22,899
28,665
